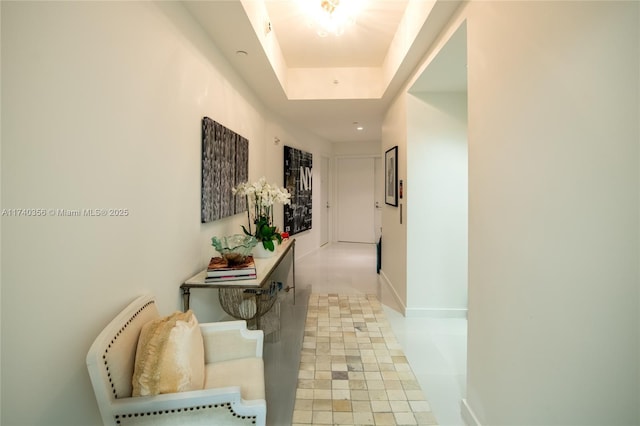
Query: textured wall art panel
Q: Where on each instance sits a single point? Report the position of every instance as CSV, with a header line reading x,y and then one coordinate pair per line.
x,y
298,166
225,163
242,170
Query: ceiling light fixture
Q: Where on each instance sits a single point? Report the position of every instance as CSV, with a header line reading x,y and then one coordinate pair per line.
x,y
331,17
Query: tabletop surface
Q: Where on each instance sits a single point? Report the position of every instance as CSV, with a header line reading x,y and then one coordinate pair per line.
x,y
264,267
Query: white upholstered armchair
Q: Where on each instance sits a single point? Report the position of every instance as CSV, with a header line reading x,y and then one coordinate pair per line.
x,y
233,392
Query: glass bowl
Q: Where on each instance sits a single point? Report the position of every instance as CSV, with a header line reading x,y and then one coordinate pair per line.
x,y
234,248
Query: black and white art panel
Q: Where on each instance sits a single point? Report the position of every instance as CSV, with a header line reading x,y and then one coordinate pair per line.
x,y
225,163
298,166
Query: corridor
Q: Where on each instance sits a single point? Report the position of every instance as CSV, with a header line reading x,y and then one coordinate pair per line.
x,y
434,347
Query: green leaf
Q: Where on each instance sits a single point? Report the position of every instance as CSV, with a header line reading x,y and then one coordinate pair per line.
x,y
265,233
268,244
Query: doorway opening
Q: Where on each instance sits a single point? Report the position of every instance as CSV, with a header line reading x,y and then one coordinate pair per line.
x,y
437,239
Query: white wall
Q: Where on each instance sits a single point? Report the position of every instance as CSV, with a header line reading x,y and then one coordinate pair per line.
x,y
437,208
553,105
101,108
420,130
356,148
394,230
1,186
553,254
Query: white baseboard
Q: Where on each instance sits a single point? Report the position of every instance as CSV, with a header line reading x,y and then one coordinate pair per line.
x,y
468,416
393,293
435,313
422,312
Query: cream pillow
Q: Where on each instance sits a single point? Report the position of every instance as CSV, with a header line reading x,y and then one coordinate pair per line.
x,y
170,356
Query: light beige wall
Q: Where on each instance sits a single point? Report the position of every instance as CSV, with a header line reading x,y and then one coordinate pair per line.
x,y
0,222
397,126
553,212
101,108
356,148
553,274
394,231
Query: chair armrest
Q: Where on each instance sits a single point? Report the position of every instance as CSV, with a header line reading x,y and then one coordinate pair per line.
x,y
154,406
230,340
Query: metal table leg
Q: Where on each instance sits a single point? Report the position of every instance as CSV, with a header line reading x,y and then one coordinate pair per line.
x,y
185,298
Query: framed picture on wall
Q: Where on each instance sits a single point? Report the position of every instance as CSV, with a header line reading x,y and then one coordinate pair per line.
x,y
391,176
298,166
225,163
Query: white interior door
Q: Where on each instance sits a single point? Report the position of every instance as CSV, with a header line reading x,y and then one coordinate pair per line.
x,y
324,200
356,201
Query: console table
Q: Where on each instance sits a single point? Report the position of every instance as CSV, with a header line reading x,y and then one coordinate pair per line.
x,y
257,286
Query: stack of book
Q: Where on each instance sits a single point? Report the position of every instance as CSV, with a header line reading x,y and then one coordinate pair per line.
x,y
220,270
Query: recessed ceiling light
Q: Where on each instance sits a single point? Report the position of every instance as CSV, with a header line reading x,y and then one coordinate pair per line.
x,y
359,128
241,52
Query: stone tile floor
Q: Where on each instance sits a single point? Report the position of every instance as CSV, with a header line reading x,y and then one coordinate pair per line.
x,y
353,370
